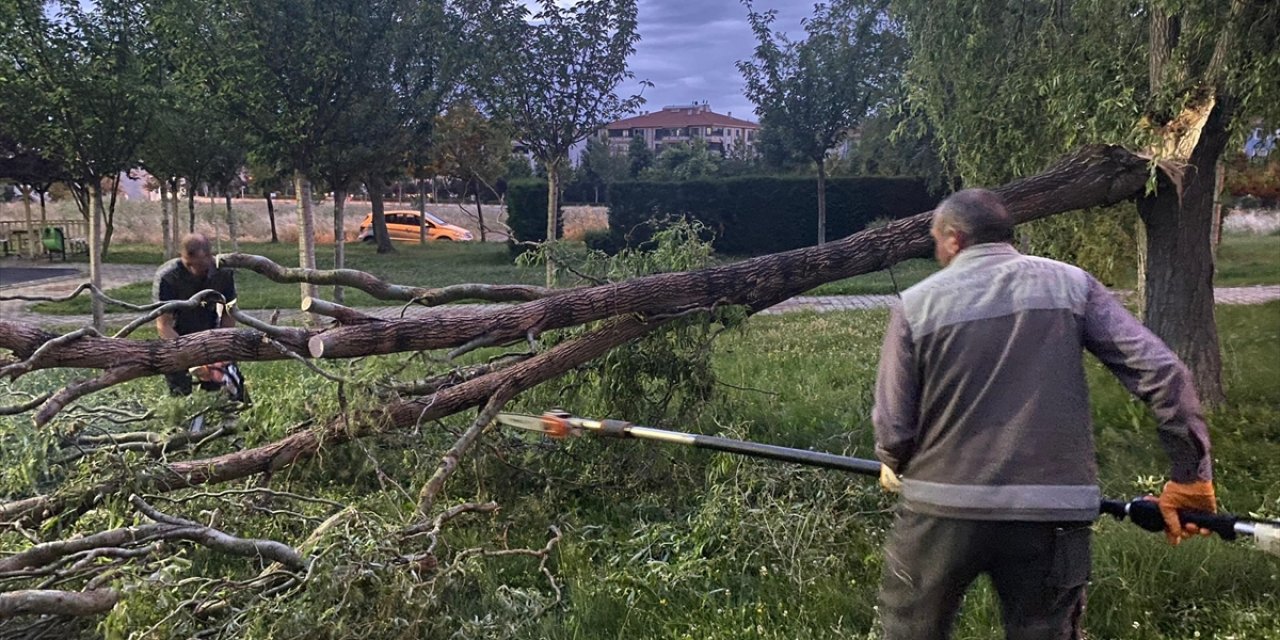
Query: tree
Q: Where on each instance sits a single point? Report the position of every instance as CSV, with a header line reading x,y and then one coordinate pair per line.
x,y
554,76
1006,85
472,148
599,166
684,161
266,178
897,140
89,71
288,72
811,93
639,156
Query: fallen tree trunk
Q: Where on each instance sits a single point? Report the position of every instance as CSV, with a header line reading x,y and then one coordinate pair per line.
x,y
1092,177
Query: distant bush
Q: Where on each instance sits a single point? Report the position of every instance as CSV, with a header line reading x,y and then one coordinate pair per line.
x,y
755,215
527,213
601,240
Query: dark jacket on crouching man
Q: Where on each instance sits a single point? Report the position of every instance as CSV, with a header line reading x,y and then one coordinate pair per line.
x,y
179,279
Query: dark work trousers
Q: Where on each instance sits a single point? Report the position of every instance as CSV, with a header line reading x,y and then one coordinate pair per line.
x,y
180,384
1039,570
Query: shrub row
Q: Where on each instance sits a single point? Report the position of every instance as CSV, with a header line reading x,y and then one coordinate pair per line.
x,y
749,215
527,211
756,215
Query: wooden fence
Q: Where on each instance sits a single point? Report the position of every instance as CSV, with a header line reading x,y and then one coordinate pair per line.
x,y
15,231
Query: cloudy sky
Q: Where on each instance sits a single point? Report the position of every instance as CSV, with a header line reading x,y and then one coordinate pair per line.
x,y
688,50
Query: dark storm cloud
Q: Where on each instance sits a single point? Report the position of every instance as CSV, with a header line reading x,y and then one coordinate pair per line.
x,y
689,50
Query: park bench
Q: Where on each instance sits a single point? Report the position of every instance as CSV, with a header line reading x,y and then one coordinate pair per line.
x,y
56,242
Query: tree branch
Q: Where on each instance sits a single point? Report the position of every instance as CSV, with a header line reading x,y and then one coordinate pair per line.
x,y
380,288
57,603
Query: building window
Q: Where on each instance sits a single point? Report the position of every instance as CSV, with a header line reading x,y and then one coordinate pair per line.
x,y
616,133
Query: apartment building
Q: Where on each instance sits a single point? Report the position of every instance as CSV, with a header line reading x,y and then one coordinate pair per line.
x,y
682,123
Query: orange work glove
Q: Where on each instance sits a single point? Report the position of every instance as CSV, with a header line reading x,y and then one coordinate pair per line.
x,y
1187,496
889,480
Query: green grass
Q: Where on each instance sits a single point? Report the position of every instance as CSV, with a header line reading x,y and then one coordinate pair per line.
x,y
669,542
1248,260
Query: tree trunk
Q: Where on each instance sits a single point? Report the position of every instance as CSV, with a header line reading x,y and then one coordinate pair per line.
x,y
191,207
95,249
306,230
480,211
44,213
233,226
109,215
1177,239
380,235
32,235
165,232
822,202
422,213
553,210
339,238
176,228
271,215
1219,177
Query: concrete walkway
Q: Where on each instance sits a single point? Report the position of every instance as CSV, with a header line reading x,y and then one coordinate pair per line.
x,y
118,275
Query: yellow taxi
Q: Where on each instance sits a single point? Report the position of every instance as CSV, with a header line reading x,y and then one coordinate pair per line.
x,y
403,226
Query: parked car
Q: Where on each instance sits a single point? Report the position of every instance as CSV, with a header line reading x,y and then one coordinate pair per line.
x,y
403,226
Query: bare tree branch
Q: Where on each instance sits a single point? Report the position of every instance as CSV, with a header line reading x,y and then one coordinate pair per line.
x,y
449,462
343,314
57,603
378,287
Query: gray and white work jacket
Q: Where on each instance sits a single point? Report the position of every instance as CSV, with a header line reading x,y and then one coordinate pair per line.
x,y
981,403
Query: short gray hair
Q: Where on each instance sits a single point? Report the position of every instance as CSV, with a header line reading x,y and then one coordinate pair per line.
x,y
977,213
194,243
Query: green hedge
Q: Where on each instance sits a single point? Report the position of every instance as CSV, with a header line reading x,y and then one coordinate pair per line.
x,y
527,212
756,215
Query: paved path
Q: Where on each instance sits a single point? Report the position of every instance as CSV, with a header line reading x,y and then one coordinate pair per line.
x,y
117,275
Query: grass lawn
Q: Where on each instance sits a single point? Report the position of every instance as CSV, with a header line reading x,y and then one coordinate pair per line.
x,y
677,543
1247,260
746,548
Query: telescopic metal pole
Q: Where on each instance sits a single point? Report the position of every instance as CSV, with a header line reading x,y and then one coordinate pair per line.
x,y
1141,511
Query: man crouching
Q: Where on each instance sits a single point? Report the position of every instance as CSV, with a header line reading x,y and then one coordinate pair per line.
x,y
179,279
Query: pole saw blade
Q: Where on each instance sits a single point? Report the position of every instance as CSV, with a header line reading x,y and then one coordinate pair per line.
x,y
550,425
1266,537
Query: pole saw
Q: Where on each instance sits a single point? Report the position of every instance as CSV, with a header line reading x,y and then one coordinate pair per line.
x,y
1143,512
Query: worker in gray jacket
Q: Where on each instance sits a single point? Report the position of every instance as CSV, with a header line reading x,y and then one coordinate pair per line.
x,y
982,421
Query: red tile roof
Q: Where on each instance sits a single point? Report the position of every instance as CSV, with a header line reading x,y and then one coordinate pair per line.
x,y
672,117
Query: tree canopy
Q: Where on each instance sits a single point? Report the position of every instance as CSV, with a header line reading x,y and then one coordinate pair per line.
x,y
811,93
